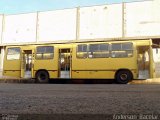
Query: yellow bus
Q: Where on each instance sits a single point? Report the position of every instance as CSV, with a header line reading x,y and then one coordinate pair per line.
x,y
119,60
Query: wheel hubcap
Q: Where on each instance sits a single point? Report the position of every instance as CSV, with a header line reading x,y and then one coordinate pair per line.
x,y
42,77
123,76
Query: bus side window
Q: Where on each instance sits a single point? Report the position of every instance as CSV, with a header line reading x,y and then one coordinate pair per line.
x,y
121,50
13,53
44,52
82,51
99,50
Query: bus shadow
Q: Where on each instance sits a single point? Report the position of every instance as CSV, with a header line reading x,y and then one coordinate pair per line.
x,y
81,81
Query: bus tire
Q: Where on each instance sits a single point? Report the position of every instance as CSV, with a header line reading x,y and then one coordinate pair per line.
x,y
123,76
42,77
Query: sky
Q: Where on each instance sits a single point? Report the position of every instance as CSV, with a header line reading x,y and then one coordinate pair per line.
x,y
27,6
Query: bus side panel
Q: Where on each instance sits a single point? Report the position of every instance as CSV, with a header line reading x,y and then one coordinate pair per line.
x,y
12,68
50,65
101,67
93,74
98,74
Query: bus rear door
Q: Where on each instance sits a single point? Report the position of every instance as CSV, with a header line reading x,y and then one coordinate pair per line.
x,y
145,62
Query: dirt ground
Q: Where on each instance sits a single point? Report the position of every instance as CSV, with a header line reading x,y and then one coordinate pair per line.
x,y
83,101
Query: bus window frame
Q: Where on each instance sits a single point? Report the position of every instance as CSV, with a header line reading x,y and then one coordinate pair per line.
x,y
89,52
82,52
110,51
20,52
122,50
44,53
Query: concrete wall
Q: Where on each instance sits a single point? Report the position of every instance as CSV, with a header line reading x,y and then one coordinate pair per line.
x,y
57,25
134,19
142,19
101,21
20,28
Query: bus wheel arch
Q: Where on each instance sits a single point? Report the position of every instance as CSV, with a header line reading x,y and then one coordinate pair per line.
x,y
42,76
123,76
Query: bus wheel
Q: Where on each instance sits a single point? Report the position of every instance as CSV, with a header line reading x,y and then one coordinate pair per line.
x,y
123,77
42,77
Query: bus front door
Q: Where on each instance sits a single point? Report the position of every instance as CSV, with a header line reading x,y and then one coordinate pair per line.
x,y
64,63
26,64
143,62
